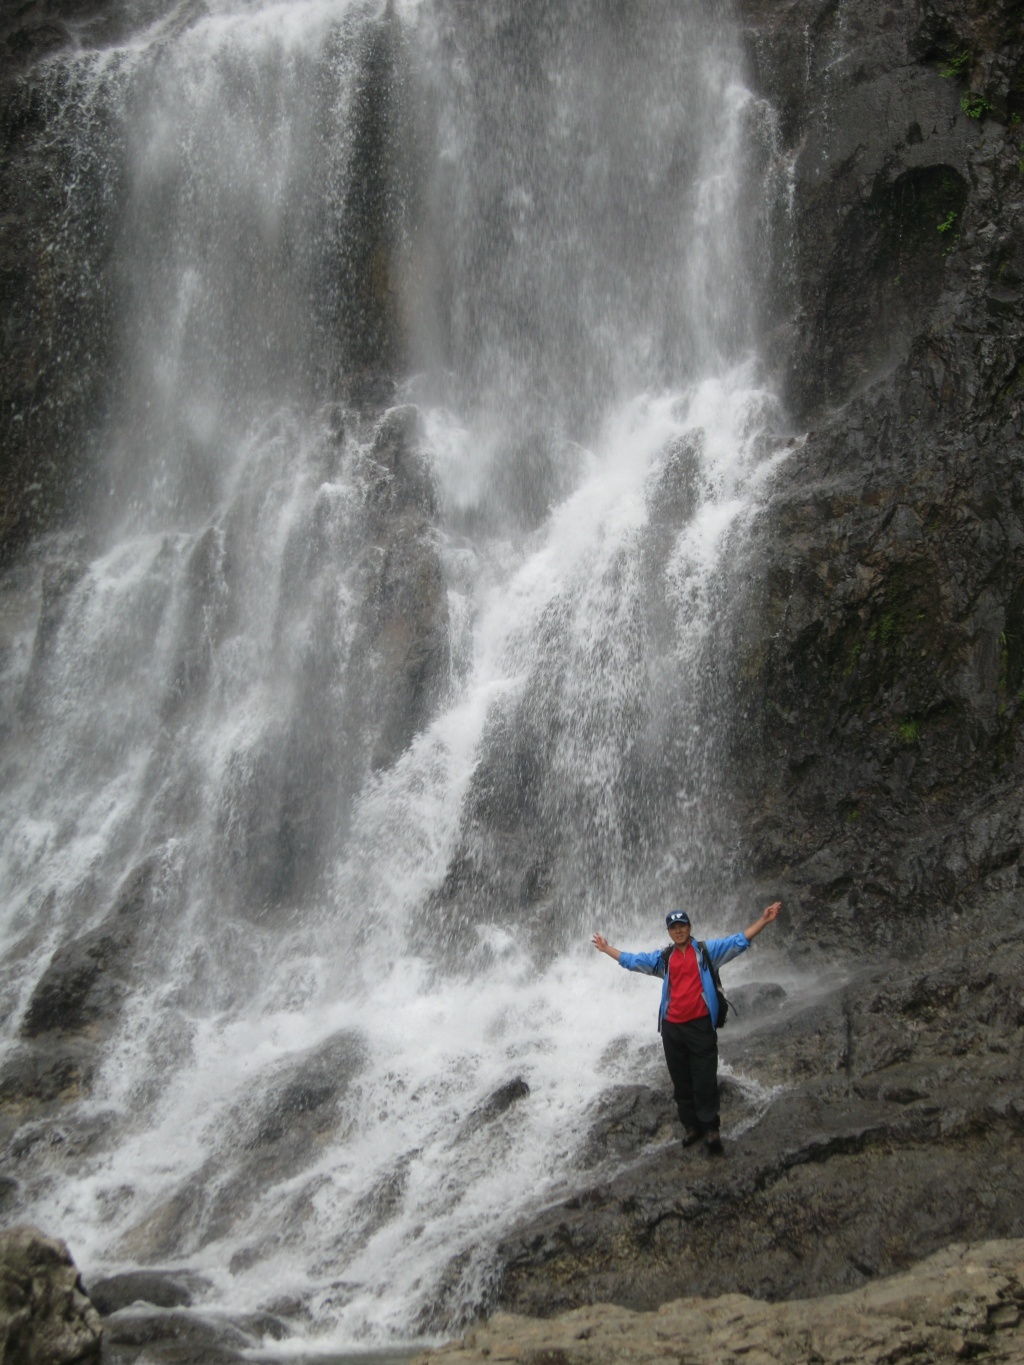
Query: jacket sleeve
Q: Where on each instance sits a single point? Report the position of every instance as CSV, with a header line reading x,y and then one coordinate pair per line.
x,y
648,963
725,949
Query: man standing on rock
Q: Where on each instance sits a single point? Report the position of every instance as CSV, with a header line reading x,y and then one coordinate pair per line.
x,y
688,1016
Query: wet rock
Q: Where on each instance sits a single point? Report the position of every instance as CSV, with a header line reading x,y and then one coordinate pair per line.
x,y
496,1104
376,214
403,652
86,982
29,32
46,1073
88,978
57,291
160,1288
271,1138
45,1316
628,1119
754,999
177,1337
398,478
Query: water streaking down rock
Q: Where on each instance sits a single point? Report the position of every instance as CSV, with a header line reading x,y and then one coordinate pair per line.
x,y
961,1303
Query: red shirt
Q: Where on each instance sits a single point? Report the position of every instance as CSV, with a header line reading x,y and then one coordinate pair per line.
x,y
685,989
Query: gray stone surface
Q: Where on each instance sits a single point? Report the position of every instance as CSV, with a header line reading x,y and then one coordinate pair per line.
x,y
863,1129
45,1315
160,1288
962,1303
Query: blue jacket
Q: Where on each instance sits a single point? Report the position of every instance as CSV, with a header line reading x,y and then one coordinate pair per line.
x,y
719,950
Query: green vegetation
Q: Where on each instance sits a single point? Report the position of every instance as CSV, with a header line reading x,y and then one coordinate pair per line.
x,y
974,106
955,65
884,629
947,225
909,731
854,656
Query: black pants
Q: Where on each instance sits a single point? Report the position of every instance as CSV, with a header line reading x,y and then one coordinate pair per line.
x,y
691,1051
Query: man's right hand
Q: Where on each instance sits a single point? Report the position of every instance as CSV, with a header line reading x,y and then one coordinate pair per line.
x,y
603,946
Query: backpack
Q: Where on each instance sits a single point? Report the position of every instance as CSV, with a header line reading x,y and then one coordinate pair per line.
x,y
701,946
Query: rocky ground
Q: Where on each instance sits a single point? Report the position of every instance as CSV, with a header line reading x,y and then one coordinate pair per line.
x,y
963,1303
894,1127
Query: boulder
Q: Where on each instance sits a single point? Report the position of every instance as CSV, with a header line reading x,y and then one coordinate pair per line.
x,y
45,1315
160,1288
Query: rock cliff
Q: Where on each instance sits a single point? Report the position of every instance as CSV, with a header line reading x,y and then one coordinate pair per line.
x,y
881,663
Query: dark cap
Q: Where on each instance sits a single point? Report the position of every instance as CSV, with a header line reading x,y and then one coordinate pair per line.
x,y
676,917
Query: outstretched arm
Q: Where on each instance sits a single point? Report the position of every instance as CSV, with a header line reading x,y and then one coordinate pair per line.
x,y
767,916
603,946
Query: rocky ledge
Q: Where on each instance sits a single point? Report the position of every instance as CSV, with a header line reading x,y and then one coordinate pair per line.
x,y
869,1122
963,1302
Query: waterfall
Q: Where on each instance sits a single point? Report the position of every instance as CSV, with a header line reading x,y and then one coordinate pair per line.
x,y
346,713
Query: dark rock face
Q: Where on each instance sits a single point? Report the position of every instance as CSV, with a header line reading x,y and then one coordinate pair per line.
x,y
55,282
494,1106
89,977
45,1315
880,663
374,220
405,639
75,1006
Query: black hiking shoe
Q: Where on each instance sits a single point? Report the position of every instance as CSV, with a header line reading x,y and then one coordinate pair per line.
x,y
713,1143
692,1135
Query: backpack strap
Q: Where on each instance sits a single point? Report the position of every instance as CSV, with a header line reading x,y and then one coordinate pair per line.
x,y
725,1004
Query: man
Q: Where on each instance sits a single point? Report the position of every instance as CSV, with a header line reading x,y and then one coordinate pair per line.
x,y
688,1016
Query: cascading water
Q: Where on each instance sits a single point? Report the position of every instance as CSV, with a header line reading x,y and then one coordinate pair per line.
x,y
331,734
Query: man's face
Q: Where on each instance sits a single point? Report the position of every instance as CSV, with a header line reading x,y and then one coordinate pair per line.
x,y
679,934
